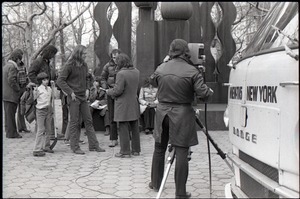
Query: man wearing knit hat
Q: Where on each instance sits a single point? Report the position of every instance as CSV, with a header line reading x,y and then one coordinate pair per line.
x,y
178,81
12,88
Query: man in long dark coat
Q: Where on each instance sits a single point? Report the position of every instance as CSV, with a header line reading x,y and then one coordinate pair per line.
x,y
177,81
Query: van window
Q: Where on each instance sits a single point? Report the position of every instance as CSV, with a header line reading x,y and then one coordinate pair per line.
x,y
283,15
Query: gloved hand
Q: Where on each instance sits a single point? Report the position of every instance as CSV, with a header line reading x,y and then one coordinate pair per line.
x,y
208,96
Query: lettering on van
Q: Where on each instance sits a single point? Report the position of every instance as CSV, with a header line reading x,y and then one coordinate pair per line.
x,y
245,135
236,92
266,94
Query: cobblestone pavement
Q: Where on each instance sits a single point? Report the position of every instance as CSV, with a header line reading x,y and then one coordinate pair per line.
x,y
64,174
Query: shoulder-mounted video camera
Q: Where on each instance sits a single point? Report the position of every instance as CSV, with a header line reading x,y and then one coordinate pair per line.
x,y
197,55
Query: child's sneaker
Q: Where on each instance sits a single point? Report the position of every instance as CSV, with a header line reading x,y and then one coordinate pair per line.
x,y
39,153
81,141
67,142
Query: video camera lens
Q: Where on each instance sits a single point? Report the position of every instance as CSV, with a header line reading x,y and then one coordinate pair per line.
x,y
201,51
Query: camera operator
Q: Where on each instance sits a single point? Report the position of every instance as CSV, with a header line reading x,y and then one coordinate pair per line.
x,y
177,81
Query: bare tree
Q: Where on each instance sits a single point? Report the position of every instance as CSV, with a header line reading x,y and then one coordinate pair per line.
x,y
249,17
61,35
56,30
94,35
27,25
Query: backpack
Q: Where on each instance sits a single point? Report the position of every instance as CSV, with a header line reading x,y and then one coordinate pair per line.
x,y
27,105
22,76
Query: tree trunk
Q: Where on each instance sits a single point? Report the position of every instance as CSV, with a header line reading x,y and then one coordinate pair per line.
x,y
61,37
53,41
95,37
28,34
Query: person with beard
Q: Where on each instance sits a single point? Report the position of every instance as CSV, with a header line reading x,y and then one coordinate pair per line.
x,y
108,76
11,82
177,81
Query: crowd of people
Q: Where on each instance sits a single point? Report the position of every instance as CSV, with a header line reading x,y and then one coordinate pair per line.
x,y
163,104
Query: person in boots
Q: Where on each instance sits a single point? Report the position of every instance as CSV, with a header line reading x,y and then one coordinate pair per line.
x,y
73,80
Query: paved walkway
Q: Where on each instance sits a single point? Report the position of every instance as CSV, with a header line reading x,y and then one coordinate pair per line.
x,y
64,174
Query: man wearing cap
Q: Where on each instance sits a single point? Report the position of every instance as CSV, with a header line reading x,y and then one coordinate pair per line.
x,y
178,82
13,90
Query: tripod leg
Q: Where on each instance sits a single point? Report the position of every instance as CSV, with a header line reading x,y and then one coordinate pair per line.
x,y
163,182
170,160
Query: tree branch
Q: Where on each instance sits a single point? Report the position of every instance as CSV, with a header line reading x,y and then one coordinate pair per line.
x,y
14,5
56,30
38,14
258,8
78,15
14,23
242,17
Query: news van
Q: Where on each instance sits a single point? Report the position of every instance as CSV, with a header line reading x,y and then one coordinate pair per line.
x,y
263,110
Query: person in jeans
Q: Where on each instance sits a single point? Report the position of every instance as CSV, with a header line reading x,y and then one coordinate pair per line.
x,y
43,96
127,111
108,81
73,80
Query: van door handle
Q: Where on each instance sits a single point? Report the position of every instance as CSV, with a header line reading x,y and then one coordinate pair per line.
x,y
291,83
226,84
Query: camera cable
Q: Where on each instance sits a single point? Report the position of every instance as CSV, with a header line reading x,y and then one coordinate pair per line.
x,y
97,167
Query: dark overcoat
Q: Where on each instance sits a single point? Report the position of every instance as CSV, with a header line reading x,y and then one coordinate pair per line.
x,y
177,83
125,93
10,85
40,65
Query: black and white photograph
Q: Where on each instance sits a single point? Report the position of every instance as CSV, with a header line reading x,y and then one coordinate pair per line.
x,y
150,99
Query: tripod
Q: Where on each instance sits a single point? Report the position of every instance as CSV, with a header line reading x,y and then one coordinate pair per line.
x,y
170,160
171,157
